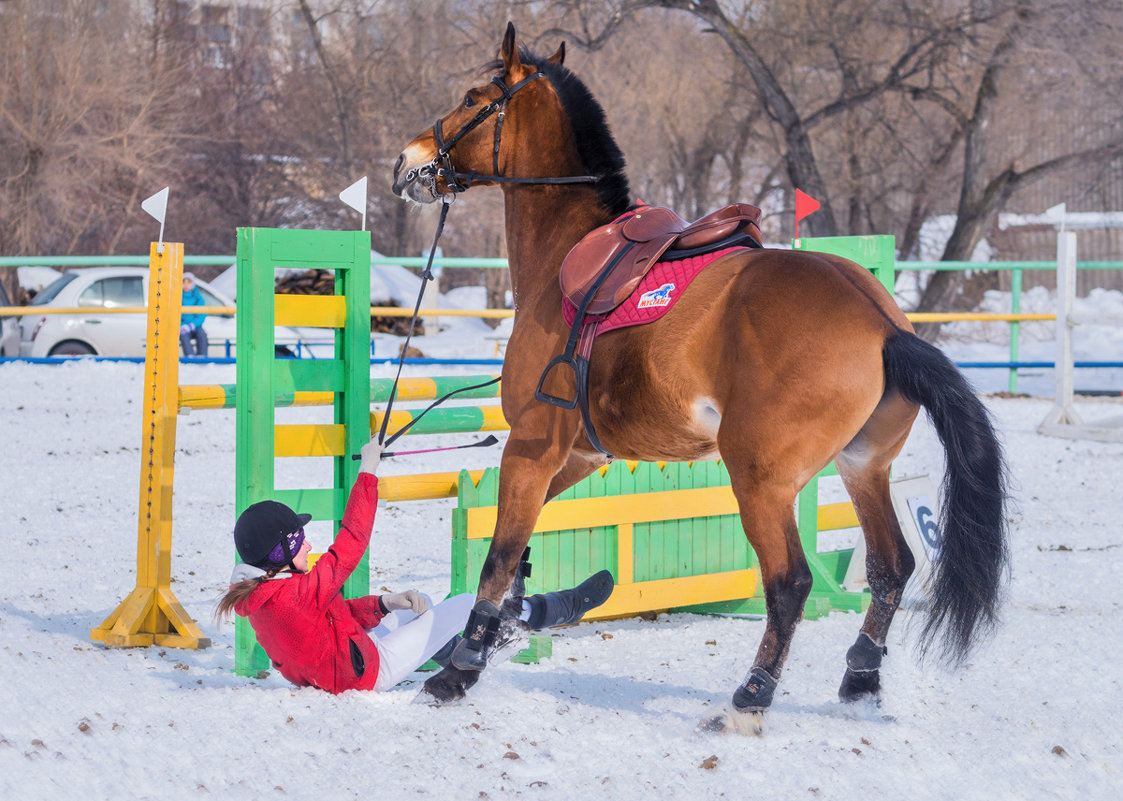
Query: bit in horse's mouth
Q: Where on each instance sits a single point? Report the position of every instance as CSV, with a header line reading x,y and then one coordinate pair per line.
x,y
415,190
411,183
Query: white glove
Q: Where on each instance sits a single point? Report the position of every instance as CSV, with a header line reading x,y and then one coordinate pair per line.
x,y
410,599
371,453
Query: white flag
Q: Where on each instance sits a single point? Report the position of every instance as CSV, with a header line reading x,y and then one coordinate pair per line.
x,y
355,196
1057,212
157,205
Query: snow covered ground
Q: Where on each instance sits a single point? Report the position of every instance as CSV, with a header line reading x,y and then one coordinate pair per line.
x,y
1034,713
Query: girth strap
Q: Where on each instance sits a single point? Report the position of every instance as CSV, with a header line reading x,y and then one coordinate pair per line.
x,y
584,355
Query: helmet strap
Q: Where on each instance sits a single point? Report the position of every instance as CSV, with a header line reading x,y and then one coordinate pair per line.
x,y
289,555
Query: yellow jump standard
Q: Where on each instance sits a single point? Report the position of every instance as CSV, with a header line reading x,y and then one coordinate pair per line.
x,y
151,614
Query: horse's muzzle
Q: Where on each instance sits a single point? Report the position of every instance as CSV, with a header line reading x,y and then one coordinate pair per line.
x,y
412,183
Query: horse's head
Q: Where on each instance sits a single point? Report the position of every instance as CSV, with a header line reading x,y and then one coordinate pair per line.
x,y
473,144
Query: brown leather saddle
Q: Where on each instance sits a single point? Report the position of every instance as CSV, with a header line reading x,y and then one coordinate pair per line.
x,y
634,244
606,266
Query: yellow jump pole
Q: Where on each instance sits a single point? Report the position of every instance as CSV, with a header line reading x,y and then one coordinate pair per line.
x,y
151,614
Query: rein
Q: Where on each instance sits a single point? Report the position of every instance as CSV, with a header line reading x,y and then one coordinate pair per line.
x,y
426,276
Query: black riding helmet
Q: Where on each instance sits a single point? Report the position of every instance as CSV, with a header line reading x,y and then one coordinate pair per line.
x,y
264,526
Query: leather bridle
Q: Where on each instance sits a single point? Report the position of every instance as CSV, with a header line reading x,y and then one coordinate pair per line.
x,y
456,181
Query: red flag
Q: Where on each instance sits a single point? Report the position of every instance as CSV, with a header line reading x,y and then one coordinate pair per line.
x,y
804,205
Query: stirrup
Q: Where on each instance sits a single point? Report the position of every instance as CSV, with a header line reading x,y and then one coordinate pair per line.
x,y
562,403
522,573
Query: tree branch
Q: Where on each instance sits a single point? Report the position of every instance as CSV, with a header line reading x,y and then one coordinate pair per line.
x,y
336,92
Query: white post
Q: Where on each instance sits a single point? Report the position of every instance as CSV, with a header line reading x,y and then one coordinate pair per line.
x,y
1062,413
1062,420
432,298
1066,284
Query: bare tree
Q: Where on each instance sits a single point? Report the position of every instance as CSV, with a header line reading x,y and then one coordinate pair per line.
x,y
808,77
894,110
83,131
371,74
1026,52
887,111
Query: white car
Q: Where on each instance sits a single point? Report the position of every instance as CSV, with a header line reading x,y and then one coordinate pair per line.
x,y
9,329
92,333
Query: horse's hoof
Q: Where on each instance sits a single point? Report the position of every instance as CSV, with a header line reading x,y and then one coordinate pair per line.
x,y
857,686
446,687
735,721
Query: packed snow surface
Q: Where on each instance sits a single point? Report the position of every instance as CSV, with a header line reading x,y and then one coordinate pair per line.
x,y
1034,713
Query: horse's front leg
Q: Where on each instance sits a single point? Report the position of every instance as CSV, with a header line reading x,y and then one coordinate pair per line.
x,y
530,470
526,473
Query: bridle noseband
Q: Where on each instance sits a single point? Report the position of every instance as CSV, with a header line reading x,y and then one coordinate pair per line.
x,y
457,182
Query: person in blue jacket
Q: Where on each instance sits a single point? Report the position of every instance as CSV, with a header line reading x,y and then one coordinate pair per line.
x,y
191,325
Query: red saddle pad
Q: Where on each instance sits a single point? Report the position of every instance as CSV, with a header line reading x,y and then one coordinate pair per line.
x,y
656,294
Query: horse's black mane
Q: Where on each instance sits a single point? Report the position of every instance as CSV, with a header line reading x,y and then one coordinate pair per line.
x,y
599,152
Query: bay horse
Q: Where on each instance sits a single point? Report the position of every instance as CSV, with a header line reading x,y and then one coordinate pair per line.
x,y
777,361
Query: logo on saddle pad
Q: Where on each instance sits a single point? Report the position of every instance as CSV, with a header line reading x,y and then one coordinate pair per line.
x,y
656,297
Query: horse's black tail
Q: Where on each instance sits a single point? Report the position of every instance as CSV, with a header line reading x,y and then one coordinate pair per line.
x,y
973,561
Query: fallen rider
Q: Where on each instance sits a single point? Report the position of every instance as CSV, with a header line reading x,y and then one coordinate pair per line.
x,y
315,637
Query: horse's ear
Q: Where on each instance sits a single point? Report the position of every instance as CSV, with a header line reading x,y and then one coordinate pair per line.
x,y
558,57
508,51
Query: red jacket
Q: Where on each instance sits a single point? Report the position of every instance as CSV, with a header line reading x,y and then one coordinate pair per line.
x,y
314,636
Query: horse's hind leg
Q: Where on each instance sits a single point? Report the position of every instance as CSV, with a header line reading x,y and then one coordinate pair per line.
x,y
864,467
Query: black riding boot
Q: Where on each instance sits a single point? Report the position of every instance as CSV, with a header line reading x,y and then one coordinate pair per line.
x,y
568,606
555,608
444,655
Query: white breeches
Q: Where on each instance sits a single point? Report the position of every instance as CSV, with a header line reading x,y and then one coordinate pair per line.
x,y
406,640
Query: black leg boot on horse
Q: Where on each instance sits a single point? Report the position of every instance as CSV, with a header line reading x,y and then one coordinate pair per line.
x,y
785,597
